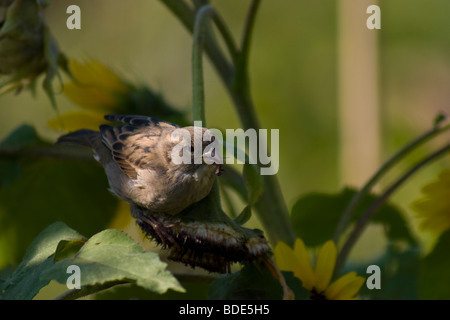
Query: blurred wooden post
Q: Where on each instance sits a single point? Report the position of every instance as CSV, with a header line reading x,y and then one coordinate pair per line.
x,y
358,93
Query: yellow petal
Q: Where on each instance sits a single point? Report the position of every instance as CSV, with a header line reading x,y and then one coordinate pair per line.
x,y
436,223
93,73
295,260
304,269
443,182
333,290
344,288
434,208
285,258
351,289
427,207
91,97
95,87
72,121
326,260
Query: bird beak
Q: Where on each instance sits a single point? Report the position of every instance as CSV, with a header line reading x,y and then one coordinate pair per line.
x,y
212,157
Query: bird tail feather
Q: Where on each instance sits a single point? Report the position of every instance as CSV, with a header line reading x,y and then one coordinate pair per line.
x,y
82,137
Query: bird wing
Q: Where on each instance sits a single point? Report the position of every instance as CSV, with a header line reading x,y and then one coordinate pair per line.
x,y
139,121
132,145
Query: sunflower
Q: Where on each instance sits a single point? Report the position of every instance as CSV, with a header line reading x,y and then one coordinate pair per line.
x,y
96,89
318,280
434,208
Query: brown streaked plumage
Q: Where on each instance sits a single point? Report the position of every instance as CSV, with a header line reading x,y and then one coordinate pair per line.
x,y
137,161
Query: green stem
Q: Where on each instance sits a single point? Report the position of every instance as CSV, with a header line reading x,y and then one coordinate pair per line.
x,y
271,207
380,173
368,214
198,97
233,179
226,35
204,15
229,203
240,76
186,15
248,30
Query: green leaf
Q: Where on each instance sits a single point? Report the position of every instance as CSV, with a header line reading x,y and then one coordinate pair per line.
x,y
434,275
254,281
20,137
296,286
26,280
251,282
316,215
113,256
67,248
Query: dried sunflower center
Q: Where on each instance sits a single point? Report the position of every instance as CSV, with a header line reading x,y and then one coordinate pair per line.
x,y
212,245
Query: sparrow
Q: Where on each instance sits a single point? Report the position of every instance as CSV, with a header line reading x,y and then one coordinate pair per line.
x,y
167,197
138,162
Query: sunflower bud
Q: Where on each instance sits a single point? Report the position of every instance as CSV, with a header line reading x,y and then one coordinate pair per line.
x,y
27,50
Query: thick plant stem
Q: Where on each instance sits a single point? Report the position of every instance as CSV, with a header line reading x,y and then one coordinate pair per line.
x,y
198,96
271,207
204,15
273,213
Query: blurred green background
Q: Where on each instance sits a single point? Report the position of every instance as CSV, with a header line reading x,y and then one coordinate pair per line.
x,y
294,79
